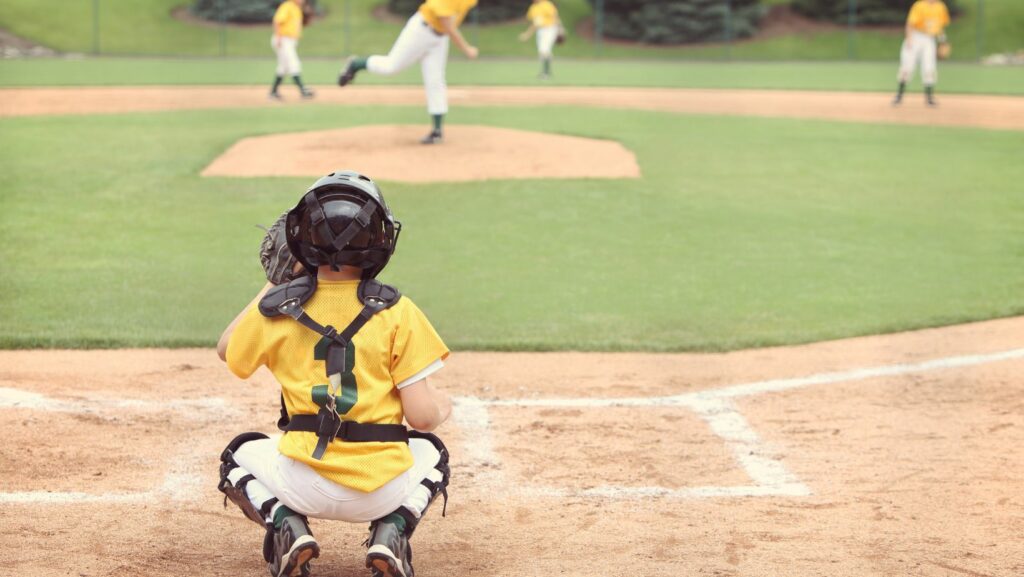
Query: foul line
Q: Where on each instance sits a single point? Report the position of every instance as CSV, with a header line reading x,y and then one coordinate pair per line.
x,y
767,471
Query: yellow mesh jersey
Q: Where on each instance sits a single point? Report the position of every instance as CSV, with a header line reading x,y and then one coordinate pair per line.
x,y
433,10
542,14
928,17
289,18
394,345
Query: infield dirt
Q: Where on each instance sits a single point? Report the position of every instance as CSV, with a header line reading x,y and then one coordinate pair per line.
x,y
110,459
992,112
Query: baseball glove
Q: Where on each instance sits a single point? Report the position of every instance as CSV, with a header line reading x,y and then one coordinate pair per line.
x,y
277,261
560,39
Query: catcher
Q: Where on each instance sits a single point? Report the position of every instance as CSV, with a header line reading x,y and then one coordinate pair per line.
x,y
344,453
924,41
544,20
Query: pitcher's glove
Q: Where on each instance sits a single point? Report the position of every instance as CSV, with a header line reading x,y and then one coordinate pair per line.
x,y
560,39
277,261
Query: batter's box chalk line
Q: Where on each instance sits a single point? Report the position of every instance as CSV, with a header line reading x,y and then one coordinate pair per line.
x,y
768,474
181,483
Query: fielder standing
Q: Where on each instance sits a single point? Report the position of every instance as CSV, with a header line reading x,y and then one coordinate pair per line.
x,y
424,39
544,20
285,42
925,24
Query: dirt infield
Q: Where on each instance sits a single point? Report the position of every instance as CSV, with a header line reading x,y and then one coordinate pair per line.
x,y
992,112
393,152
878,456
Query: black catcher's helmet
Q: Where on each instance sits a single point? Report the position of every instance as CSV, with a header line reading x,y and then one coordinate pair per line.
x,y
343,220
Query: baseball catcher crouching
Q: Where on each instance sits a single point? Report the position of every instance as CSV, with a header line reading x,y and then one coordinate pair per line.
x,y
352,356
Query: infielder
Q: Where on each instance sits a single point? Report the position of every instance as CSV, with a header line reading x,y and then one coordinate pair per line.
x,y
345,453
285,42
424,39
544,20
925,24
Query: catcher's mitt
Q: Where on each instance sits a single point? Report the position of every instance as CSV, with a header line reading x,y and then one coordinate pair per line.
x,y
277,261
945,50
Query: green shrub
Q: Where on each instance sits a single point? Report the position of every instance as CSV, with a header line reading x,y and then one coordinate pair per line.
x,y
489,10
680,21
241,11
866,11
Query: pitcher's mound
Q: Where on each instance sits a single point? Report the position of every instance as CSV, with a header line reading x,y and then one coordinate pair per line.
x,y
391,152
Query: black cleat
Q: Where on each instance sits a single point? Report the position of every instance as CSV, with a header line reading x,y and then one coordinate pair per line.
x,y
389,554
348,72
274,96
307,93
293,548
435,137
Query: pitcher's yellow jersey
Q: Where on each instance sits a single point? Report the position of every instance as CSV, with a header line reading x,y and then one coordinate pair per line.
x,y
433,10
542,14
928,17
396,344
289,18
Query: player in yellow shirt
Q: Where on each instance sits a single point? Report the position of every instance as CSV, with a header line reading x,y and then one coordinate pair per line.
x,y
285,42
424,39
345,392
926,23
544,20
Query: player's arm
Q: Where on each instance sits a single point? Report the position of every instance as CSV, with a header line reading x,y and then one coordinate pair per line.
x,y
448,24
425,407
225,337
529,32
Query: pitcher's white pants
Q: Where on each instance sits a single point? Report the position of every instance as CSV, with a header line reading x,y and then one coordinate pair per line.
x,y
303,490
546,37
287,56
418,42
922,48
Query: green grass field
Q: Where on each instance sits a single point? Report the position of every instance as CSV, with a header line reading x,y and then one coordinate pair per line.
x,y
141,27
741,232
853,76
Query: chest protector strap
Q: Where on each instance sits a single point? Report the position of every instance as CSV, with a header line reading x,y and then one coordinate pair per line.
x,y
287,299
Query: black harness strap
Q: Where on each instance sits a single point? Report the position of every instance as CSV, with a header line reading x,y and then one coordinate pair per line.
x,y
327,423
352,431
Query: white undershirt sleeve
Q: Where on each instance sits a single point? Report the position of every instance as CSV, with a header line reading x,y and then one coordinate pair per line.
x,y
429,370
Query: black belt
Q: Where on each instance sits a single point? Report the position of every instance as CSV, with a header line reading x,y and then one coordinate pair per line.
x,y
431,28
352,431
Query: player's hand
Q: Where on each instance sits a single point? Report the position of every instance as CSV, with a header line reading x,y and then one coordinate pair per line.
x,y
524,36
472,52
277,41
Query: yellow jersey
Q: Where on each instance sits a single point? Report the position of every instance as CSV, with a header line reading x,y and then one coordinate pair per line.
x,y
542,14
928,17
396,344
288,19
433,10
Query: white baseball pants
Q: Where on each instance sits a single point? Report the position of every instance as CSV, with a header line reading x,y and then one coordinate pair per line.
x,y
303,490
922,48
418,42
287,56
546,37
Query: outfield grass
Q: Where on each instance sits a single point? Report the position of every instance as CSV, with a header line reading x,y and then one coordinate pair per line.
x,y
853,76
145,27
742,232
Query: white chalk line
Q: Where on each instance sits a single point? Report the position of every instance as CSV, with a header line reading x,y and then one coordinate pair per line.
x,y
768,473
715,407
179,484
